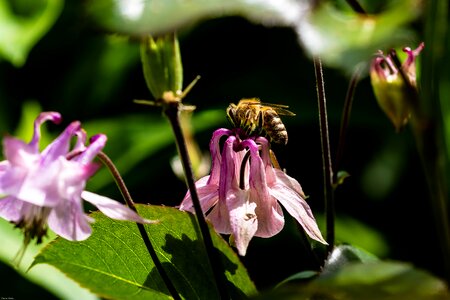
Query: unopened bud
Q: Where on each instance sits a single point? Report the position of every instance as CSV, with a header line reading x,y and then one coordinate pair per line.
x,y
391,91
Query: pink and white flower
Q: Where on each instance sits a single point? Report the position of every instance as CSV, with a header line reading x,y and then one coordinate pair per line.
x,y
41,189
240,196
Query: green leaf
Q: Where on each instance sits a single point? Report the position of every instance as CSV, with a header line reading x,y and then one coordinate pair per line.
x,y
43,275
344,39
114,263
370,281
340,178
136,17
301,276
379,280
19,33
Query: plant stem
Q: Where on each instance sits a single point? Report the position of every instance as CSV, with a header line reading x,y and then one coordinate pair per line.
x,y
326,154
345,119
172,110
129,201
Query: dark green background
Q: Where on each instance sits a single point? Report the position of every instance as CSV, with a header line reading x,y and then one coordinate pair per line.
x,y
68,71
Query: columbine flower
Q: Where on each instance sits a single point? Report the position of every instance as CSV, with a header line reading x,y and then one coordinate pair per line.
x,y
241,195
47,187
389,86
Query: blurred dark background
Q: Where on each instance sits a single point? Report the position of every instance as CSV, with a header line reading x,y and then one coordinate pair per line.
x,y
86,74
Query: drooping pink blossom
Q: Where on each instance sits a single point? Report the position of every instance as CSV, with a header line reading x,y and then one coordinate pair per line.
x,y
41,189
241,196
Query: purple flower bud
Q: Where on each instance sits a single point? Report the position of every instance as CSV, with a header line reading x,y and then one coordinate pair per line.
x,y
389,87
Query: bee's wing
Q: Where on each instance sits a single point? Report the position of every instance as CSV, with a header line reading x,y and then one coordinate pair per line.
x,y
284,112
280,109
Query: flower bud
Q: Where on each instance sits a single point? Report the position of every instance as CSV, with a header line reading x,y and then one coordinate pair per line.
x,y
390,88
161,62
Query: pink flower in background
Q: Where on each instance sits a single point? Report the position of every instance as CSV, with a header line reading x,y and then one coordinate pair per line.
x,y
41,189
240,196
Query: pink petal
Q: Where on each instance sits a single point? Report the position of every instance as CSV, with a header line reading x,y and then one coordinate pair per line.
x,y
18,153
220,218
44,116
289,182
299,209
270,215
10,209
219,215
216,158
243,220
98,142
11,179
69,221
41,186
113,209
208,196
60,146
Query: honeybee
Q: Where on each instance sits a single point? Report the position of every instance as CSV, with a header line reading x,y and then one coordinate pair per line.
x,y
256,117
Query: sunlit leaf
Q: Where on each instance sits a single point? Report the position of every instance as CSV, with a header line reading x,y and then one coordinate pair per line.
x,y
344,39
138,17
43,275
114,262
20,32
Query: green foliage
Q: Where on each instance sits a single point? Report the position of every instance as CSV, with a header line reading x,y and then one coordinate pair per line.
x,y
352,274
22,25
114,262
44,275
354,232
378,280
344,39
160,16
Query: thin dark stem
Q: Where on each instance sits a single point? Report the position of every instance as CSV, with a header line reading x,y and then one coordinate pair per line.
x,y
172,113
326,154
129,201
356,7
346,119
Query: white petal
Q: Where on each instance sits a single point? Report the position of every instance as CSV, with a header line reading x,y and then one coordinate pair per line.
x,y
112,208
243,220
